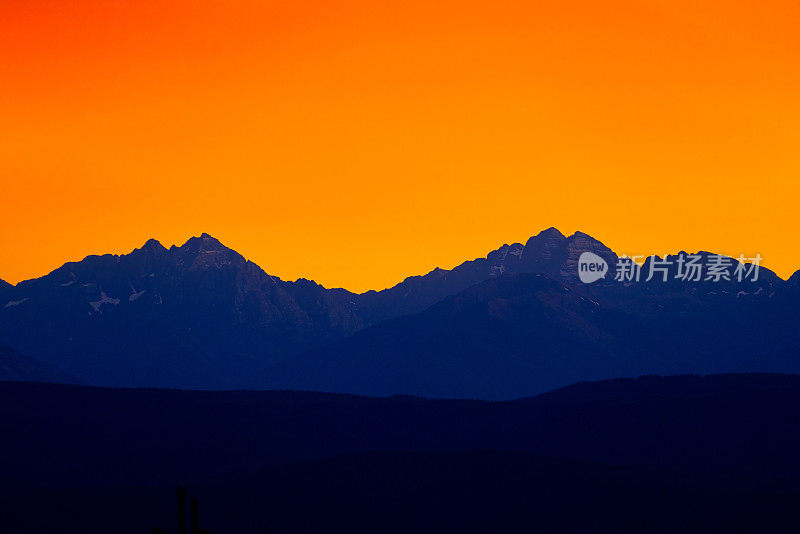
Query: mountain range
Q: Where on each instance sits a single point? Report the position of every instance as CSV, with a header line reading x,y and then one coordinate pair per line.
x,y
514,323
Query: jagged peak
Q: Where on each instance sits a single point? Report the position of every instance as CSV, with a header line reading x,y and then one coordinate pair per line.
x,y
548,236
550,232
206,252
307,282
152,244
205,242
582,239
579,234
505,248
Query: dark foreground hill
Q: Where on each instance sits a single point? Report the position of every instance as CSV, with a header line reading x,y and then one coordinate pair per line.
x,y
655,454
469,491
73,435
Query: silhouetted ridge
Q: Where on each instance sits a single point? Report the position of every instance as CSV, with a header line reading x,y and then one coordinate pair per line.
x,y
204,243
544,252
6,290
505,337
549,252
200,315
153,244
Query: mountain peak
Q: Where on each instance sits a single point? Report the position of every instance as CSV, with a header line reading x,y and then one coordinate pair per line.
x,y
204,243
549,237
151,249
575,246
550,233
579,234
153,244
544,252
206,252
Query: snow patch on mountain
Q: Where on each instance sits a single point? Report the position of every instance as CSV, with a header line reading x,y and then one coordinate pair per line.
x,y
15,302
104,299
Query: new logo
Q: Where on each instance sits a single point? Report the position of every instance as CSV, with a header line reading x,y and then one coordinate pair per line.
x,y
591,267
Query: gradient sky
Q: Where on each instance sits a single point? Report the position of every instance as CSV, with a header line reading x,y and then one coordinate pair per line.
x,y
357,143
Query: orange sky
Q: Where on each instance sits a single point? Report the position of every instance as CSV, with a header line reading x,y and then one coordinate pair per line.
x,y
357,143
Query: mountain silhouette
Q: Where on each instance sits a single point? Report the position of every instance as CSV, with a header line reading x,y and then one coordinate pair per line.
x,y
202,316
503,338
198,315
523,334
548,252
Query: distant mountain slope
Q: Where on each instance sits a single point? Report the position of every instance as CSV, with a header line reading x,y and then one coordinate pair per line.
x,y
548,252
19,367
199,315
202,316
789,293
5,290
524,334
74,435
502,338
